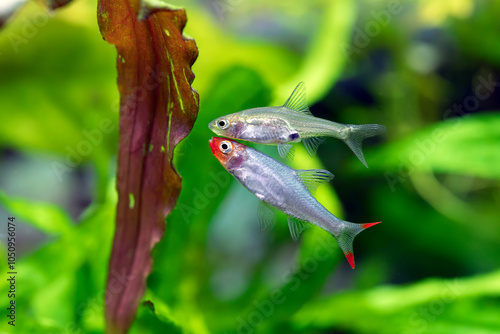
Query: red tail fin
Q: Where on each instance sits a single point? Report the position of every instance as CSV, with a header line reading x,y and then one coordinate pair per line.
x,y
346,238
369,224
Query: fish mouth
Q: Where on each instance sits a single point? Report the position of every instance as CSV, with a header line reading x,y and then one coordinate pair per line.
x,y
212,126
213,145
215,130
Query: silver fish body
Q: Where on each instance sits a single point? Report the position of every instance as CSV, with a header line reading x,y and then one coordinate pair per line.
x,y
291,123
281,187
285,189
273,125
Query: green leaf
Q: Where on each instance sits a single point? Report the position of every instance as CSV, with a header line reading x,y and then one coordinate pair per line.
x,y
46,217
464,145
63,281
431,306
155,316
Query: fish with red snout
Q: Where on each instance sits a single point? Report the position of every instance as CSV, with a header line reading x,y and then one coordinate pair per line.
x,y
280,187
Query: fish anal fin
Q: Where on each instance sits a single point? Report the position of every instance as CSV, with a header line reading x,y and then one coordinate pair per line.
x,y
312,144
286,151
312,178
296,227
266,216
297,101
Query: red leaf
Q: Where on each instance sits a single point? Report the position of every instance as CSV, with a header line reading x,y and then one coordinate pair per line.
x,y
157,110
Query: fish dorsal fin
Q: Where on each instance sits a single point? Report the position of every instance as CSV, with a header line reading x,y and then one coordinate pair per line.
x,y
286,151
266,215
296,227
297,101
312,178
312,144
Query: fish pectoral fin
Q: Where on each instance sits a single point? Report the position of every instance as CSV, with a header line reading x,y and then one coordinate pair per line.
x,y
286,151
266,216
297,101
296,227
312,178
312,144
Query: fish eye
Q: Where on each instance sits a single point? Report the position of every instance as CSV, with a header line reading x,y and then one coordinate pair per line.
x,y
225,147
223,123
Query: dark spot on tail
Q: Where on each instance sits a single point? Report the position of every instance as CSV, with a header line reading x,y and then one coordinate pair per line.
x,y
294,136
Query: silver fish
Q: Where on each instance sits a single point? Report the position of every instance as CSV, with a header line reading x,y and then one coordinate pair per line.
x,y
279,186
291,123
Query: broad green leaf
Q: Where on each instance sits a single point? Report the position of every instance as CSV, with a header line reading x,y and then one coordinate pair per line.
x,y
431,306
464,145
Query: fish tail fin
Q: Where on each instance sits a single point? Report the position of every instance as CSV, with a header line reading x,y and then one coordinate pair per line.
x,y
356,135
346,237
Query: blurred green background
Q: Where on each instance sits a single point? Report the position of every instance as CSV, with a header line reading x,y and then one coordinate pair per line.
x,y
428,70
